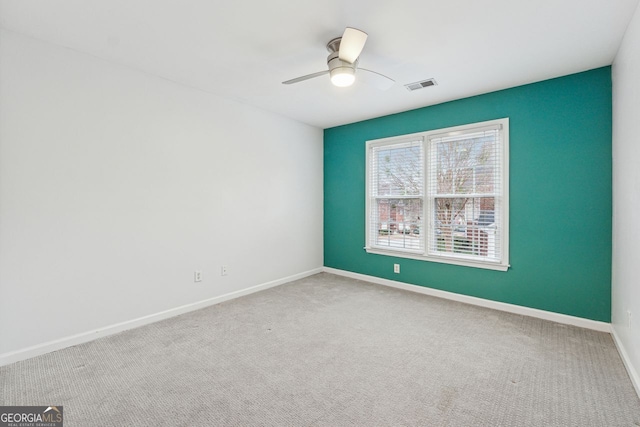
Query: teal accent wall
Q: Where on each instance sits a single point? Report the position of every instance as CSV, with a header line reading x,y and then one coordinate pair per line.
x,y
560,196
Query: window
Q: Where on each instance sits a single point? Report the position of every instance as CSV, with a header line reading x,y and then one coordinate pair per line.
x,y
441,195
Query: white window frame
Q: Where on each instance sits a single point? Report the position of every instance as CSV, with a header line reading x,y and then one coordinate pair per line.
x,y
502,205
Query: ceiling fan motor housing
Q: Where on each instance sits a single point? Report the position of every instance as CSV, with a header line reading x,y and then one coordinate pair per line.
x,y
334,62
342,73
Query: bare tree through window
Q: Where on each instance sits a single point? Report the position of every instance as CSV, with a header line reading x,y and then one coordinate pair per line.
x,y
464,205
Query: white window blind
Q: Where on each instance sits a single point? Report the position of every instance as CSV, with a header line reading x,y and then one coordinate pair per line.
x,y
397,195
465,187
441,195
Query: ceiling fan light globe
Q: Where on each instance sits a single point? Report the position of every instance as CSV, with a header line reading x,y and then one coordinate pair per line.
x,y
343,76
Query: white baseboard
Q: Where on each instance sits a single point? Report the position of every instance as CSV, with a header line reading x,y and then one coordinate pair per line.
x,y
633,374
510,308
37,350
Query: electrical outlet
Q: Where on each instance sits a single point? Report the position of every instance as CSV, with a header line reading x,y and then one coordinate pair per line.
x,y
396,268
224,270
628,318
197,276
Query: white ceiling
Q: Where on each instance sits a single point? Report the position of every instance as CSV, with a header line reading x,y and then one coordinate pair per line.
x,y
244,49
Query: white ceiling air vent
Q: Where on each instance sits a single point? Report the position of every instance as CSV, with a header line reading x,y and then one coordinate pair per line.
x,y
420,85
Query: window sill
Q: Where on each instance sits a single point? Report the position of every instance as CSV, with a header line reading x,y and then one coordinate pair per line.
x,y
488,265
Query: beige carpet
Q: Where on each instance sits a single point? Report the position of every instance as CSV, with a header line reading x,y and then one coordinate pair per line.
x,y
331,351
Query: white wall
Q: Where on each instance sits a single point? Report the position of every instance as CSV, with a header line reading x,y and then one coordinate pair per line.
x,y
626,198
116,185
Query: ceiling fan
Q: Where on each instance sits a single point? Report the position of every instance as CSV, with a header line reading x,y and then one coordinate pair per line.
x,y
344,54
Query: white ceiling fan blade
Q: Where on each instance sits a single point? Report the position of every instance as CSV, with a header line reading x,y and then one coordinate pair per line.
x,y
377,80
351,45
307,77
